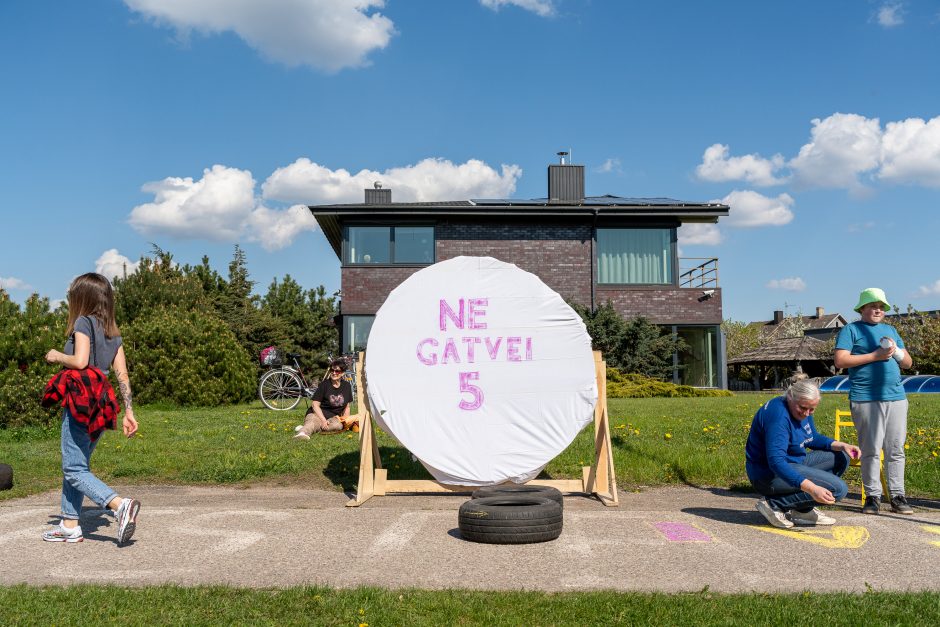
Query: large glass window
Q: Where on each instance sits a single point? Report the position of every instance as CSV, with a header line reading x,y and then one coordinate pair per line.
x,y
638,256
699,362
356,332
389,244
369,244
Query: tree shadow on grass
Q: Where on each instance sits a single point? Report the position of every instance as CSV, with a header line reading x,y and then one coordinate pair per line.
x,y
343,469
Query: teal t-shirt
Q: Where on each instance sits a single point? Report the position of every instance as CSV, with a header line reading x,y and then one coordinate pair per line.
x,y
877,381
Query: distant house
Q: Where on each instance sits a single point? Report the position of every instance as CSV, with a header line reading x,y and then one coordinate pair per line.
x,y
821,326
789,346
589,249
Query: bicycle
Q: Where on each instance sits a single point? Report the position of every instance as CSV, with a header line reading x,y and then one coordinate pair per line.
x,y
282,387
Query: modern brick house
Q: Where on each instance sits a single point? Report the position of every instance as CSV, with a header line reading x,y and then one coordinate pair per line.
x,y
590,249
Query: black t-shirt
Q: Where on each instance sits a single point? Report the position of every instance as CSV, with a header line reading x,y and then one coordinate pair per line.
x,y
333,401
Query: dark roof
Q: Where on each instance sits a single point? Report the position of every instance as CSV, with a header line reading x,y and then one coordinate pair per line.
x,y
330,217
769,328
785,350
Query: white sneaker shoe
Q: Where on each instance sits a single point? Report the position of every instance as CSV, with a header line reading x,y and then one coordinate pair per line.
x,y
301,436
774,516
63,534
811,518
298,428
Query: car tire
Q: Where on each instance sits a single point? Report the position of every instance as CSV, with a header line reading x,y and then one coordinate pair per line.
x,y
510,519
512,489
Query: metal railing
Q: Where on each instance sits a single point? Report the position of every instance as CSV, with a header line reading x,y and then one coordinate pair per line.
x,y
698,272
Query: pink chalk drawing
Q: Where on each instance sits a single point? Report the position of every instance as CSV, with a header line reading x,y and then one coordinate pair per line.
x,y
682,532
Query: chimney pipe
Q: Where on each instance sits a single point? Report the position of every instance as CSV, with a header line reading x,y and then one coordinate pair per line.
x,y
565,181
778,316
820,312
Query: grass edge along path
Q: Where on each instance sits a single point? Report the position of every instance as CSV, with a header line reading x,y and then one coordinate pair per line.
x,y
372,607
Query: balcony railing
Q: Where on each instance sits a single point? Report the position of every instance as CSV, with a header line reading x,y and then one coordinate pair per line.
x,y
698,272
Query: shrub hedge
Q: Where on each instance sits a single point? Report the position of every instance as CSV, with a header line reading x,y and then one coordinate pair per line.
x,y
188,358
637,386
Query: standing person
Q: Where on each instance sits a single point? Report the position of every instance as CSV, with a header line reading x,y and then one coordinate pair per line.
x,y
329,409
874,354
93,339
779,467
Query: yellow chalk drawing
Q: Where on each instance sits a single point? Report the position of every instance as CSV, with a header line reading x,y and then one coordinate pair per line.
x,y
932,529
839,537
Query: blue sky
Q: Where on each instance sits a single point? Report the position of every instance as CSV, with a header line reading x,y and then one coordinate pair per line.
x,y
200,124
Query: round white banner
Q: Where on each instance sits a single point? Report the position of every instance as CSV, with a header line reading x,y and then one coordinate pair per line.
x,y
480,370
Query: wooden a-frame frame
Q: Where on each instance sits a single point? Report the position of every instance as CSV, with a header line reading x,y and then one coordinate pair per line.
x,y
598,479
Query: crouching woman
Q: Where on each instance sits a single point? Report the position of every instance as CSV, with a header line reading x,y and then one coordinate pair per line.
x,y
779,467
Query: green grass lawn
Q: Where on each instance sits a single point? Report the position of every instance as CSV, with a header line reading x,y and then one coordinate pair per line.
x,y
375,608
656,441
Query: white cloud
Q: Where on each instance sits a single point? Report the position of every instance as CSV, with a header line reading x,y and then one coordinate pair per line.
x,y
751,209
214,207
717,166
543,8
928,290
325,34
428,180
792,284
911,152
843,146
611,165
275,229
112,264
890,14
692,233
13,283
223,206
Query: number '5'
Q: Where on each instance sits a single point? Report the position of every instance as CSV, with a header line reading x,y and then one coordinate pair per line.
x,y
472,390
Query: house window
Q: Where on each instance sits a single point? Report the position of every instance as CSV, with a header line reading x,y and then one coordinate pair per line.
x,y
389,245
699,363
356,332
634,256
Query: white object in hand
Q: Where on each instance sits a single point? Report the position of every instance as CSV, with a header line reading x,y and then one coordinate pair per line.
x,y
898,354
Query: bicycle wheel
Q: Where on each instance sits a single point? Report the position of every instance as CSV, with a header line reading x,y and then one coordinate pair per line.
x,y
280,389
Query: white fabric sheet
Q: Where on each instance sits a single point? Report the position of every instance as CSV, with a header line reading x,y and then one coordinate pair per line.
x,y
480,370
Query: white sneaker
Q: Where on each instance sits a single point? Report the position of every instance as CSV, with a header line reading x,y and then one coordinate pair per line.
x,y
811,518
774,516
63,534
298,428
303,437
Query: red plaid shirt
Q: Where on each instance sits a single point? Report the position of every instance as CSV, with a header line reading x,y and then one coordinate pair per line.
x,y
88,395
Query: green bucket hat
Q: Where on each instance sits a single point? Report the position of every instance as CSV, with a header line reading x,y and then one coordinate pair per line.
x,y
872,295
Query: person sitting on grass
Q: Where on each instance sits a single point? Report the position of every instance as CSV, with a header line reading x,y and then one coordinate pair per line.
x,y
791,479
329,410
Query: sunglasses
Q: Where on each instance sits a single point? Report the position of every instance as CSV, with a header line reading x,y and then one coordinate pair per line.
x,y
337,370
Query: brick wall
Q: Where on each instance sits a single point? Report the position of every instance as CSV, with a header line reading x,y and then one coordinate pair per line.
x,y
559,254
663,305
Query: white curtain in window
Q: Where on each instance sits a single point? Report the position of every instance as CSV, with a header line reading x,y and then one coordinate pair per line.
x,y
634,256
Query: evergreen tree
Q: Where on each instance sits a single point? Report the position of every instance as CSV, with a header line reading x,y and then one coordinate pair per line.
x,y
308,317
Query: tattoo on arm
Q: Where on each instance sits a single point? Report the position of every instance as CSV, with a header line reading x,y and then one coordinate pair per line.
x,y
126,394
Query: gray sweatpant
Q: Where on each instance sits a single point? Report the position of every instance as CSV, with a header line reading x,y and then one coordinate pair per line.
x,y
881,425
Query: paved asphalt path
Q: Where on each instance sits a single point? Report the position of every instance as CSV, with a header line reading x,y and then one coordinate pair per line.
x,y
669,539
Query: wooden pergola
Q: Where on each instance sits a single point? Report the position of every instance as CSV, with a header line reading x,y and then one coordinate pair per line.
x,y
784,357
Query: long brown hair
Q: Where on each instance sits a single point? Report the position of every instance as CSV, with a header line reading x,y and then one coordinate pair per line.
x,y
91,295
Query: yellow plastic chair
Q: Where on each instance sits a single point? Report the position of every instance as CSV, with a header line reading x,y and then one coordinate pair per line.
x,y
844,419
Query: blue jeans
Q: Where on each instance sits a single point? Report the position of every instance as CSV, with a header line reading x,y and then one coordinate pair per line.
x,y
78,481
824,468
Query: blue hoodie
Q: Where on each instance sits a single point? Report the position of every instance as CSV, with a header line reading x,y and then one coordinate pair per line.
x,y
777,440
